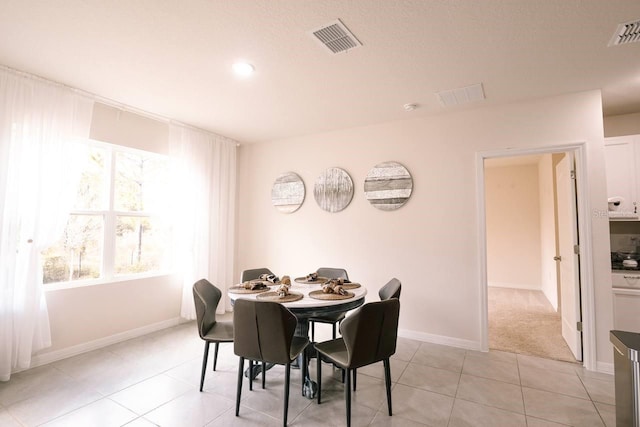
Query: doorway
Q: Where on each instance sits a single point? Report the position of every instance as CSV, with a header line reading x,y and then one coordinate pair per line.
x,y
526,271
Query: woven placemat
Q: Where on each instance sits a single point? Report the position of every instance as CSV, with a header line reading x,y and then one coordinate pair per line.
x,y
273,296
348,286
240,289
321,295
266,282
318,281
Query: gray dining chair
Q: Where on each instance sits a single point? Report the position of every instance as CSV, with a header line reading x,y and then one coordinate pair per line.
x,y
264,331
369,335
390,290
206,298
332,319
245,276
253,274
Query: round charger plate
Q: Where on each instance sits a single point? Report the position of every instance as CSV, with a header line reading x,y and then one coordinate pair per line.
x,y
318,281
266,282
273,296
321,295
239,289
352,285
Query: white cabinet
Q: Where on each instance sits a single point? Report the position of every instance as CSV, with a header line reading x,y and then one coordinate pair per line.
x,y
622,160
626,310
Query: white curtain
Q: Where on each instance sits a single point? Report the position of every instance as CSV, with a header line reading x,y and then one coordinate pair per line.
x,y
40,124
204,179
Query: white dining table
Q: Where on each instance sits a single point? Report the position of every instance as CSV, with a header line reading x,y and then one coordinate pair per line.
x,y
304,309
309,306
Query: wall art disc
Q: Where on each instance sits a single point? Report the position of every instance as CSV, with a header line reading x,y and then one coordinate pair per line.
x,y
333,190
287,193
388,186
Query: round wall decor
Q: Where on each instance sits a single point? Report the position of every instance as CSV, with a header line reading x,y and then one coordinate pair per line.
x,y
288,193
333,190
388,186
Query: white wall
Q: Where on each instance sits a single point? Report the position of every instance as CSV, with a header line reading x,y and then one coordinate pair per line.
x,y
87,316
430,244
513,226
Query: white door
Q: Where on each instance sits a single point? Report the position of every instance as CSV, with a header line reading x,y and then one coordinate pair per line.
x,y
569,267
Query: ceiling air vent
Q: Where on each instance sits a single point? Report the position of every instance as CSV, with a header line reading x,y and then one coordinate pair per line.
x,y
461,95
626,33
335,37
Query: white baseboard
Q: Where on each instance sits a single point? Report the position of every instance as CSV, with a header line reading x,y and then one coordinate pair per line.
x,y
439,339
53,356
605,368
524,286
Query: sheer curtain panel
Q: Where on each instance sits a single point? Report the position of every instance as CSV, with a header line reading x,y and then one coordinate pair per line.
x,y
204,179
40,124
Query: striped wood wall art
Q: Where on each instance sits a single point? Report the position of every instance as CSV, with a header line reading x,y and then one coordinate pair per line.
x,y
333,190
287,193
388,186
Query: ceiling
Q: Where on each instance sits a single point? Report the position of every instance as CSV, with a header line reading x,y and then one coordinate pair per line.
x,y
173,57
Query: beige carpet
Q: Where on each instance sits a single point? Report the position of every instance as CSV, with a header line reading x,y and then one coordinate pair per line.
x,y
523,321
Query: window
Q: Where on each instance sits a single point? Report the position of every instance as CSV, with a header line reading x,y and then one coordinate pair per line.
x,y
117,227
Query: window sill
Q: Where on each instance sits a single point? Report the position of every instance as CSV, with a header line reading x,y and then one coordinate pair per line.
x,y
93,282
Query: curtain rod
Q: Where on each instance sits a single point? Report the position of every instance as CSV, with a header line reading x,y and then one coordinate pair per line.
x,y
115,104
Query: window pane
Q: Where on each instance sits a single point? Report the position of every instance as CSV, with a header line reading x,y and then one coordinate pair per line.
x,y
141,244
140,183
91,190
78,253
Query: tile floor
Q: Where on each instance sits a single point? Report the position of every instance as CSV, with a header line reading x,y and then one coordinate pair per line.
x,y
153,380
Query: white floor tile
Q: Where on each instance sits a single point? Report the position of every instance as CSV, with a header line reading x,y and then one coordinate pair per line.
x,y
153,380
102,413
192,409
473,414
150,394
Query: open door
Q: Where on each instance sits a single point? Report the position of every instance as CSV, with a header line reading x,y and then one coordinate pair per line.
x,y
567,257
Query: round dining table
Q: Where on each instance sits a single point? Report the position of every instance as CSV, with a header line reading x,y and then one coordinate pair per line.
x,y
306,308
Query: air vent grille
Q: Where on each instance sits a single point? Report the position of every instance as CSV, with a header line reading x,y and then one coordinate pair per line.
x,y
335,37
626,33
462,95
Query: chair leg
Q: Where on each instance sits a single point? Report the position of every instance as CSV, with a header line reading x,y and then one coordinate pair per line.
x,y
334,330
305,369
215,356
313,331
319,374
287,373
250,375
387,380
347,395
354,379
264,372
204,363
239,388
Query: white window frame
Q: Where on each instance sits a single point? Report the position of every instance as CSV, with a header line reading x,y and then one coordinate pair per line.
x,y
107,268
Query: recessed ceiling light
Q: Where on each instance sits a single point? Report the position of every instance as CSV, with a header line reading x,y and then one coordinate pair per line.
x,y
243,69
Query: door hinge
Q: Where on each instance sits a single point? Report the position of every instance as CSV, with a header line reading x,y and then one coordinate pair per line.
x,y
576,249
573,174
579,326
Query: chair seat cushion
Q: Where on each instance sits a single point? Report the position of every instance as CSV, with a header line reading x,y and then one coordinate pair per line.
x,y
298,344
335,350
328,318
221,332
